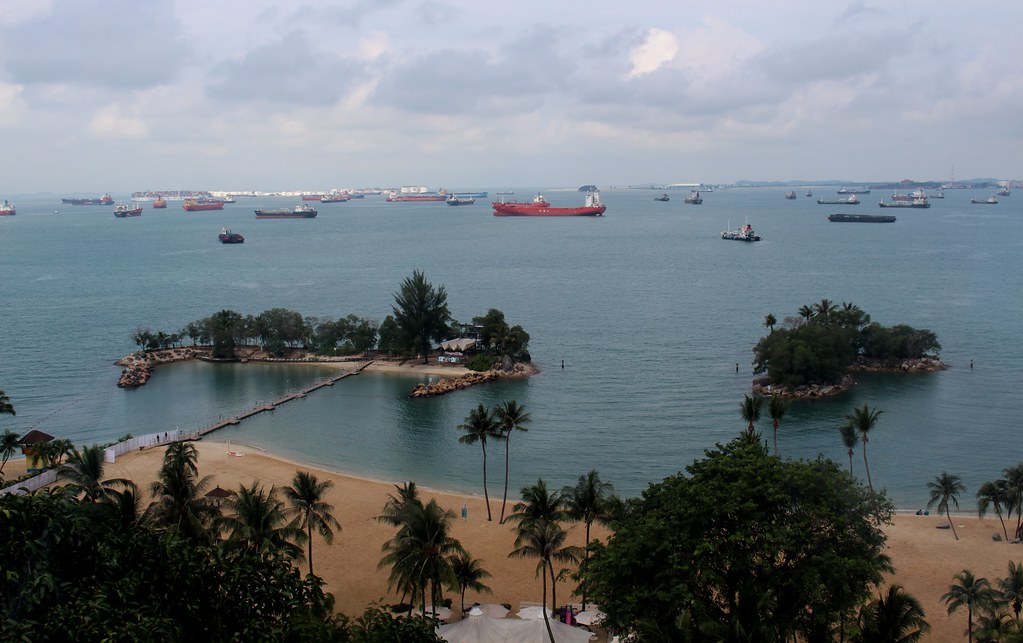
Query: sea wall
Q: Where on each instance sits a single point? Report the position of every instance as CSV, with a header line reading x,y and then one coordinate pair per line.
x,y
461,382
763,386
139,365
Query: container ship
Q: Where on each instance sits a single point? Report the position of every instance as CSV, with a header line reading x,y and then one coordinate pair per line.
x,y
106,199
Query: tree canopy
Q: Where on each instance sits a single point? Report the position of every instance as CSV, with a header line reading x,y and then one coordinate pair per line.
x,y
421,313
745,546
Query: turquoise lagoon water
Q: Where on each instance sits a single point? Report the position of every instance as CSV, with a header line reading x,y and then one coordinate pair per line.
x,y
649,309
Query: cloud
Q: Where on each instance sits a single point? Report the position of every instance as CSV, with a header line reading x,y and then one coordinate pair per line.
x,y
111,122
659,47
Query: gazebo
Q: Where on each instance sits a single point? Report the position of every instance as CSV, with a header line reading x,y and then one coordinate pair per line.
x,y
29,443
217,495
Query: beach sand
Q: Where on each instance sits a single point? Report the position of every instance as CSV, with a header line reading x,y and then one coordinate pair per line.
x,y
925,557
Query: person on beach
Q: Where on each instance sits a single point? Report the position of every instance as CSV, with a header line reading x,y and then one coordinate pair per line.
x,y
465,511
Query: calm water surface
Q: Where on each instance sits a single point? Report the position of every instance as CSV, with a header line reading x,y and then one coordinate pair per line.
x,y
648,308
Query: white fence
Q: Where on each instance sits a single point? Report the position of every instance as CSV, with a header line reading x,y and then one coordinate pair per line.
x,y
31,484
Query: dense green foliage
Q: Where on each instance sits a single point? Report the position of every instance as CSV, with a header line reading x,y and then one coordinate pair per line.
x,y
482,363
745,547
421,314
822,343
497,336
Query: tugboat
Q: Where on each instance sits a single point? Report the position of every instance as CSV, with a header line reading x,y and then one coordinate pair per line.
x,y
7,209
744,233
790,195
121,210
809,194
159,203
694,198
226,236
663,197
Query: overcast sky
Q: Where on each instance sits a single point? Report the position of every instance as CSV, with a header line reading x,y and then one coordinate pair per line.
x,y
121,95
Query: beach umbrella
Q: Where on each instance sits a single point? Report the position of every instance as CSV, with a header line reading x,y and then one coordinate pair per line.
x,y
533,612
443,613
590,617
493,610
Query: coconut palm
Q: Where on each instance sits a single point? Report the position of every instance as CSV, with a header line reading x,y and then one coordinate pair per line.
x,y
258,521
467,574
306,497
179,504
849,439
511,416
6,408
806,313
893,617
420,553
587,502
398,503
84,473
8,445
1014,489
946,488
123,507
995,495
777,407
770,320
975,593
538,504
749,408
863,420
480,425
545,541
823,310
1011,587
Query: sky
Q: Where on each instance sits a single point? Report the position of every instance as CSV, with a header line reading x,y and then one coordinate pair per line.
x,y
123,95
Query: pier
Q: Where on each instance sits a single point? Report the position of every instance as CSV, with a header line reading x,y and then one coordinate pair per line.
x,y
270,406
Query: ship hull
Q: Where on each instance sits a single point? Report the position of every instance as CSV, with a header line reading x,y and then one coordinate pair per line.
x,y
860,218
402,199
200,207
510,210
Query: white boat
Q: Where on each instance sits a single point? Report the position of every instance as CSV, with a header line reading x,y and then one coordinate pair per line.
x,y
743,233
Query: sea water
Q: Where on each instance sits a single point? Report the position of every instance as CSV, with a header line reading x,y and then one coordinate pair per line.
x,y
647,307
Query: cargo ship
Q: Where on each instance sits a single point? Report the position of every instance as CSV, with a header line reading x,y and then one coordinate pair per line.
x,y
159,203
743,233
226,236
106,199
197,205
470,195
861,218
121,210
425,196
460,200
300,211
312,197
541,208
852,200
7,209
854,191
915,203
334,197
694,198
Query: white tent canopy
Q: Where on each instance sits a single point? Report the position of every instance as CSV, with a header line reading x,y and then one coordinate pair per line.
x,y
477,628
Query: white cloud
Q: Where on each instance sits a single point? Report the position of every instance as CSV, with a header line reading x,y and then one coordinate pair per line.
x,y
16,12
658,48
109,122
374,45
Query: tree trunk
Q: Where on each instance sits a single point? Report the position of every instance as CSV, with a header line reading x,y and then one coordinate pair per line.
x,y
850,461
309,528
586,561
546,619
486,496
504,500
554,587
870,485
1004,530
776,437
951,524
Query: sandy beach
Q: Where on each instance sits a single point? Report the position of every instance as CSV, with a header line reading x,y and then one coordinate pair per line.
x,y
925,557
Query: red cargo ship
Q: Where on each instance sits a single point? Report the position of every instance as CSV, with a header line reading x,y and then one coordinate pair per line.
x,y
540,208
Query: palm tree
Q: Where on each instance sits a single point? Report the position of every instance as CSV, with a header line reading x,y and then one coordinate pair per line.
x,y
545,541
893,617
1011,587
467,574
8,445
777,408
538,504
970,591
993,494
511,416
770,321
259,522
750,410
84,473
6,408
305,495
123,507
587,502
399,503
823,310
849,439
863,420
480,425
420,553
944,488
179,503
1014,489
806,313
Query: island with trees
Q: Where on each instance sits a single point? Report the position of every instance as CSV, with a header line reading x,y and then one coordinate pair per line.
x,y
813,354
417,329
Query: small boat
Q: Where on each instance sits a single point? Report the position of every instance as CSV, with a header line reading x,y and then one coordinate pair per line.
x,y
861,218
199,205
159,203
226,236
228,199
809,194
121,210
940,194
852,200
7,209
790,195
300,211
991,200
663,197
854,191
1003,192
460,200
592,208
743,233
693,198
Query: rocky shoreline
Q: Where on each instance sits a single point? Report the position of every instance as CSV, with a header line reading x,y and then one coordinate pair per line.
x,y
762,386
444,386
140,364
